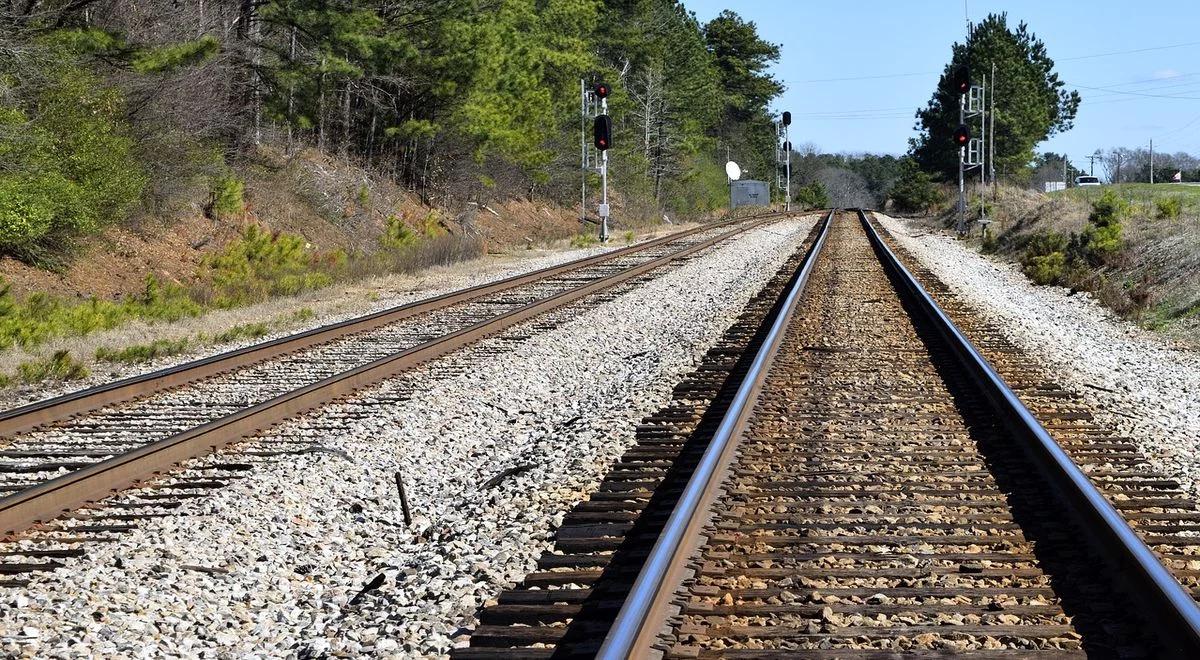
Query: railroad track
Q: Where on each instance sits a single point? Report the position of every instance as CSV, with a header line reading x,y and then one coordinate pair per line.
x,y
852,479
64,453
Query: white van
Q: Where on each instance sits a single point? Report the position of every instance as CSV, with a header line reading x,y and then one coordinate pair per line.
x,y
1087,180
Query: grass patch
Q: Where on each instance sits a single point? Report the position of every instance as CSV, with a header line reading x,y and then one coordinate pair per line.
x,y
39,317
59,366
584,241
243,331
143,352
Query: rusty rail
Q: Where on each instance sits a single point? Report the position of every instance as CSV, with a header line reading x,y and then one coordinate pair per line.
x,y
25,418
50,499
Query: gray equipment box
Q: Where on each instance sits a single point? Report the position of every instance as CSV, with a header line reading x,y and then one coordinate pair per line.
x,y
750,193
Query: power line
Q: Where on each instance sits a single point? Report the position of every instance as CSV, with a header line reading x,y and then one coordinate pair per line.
x,y
1153,96
1127,52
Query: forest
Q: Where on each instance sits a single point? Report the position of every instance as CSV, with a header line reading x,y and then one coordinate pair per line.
x,y
114,109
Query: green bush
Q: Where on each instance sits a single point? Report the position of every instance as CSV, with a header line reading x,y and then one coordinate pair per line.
x,y
580,241
1045,268
259,265
1169,208
68,164
1044,259
812,196
915,191
1102,237
397,235
228,197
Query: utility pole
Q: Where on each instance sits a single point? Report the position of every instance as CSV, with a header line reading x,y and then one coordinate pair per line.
x,y
583,149
1118,168
1092,163
1151,161
992,135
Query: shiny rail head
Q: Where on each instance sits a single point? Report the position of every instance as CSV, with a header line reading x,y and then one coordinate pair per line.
x,y
631,627
1176,615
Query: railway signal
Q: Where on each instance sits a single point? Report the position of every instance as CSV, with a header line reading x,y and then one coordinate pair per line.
x,y
593,104
962,80
787,118
602,132
962,135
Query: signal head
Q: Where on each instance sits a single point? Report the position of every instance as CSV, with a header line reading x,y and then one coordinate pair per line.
x,y
602,90
962,135
962,80
787,118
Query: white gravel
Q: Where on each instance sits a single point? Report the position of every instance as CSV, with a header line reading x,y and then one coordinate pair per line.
x,y
1150,388
296,540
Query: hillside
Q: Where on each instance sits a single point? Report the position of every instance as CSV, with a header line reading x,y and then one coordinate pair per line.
x,y
1135,247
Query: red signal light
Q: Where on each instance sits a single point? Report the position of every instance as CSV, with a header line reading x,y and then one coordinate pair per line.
x,y
962,135
962,80
602,90
602,132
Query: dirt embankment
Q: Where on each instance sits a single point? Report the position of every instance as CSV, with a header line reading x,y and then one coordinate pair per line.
x,y
329,203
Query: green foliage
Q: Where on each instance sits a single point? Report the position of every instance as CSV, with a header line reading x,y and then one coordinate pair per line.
x,y
812,196
1044,260
397,235
1102,237
580,241
139,353
1169,208
259,265
628,236
68,162
915,191
39,317
171,57
1032,103
228,197
59,366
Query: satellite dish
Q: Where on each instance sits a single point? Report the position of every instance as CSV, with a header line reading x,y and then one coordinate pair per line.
x,y
732,169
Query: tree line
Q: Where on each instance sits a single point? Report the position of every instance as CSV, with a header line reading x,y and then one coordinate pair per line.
x,y
106,105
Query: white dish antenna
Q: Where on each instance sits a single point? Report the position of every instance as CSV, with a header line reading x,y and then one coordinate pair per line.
x,y
733,170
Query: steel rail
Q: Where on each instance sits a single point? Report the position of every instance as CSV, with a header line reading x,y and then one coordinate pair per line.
x,y
39,413
643,611
1172,610
50,499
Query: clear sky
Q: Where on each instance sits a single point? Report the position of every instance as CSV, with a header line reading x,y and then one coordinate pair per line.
x,y
908,41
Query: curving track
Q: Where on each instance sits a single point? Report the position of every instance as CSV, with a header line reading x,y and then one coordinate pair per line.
x,y
864,484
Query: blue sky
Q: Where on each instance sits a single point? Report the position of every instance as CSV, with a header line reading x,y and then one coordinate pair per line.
x,y
909,41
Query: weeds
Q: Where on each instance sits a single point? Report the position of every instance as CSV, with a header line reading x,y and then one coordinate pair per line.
x,y
628,237
143,352
584,241
59,366
260,265
228,197
1169,208
243,331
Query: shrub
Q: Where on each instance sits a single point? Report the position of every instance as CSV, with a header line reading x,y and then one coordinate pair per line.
x,y
397,235
1102,237
628,236
228,197
812,196
165,59
1169,208
1045,268
1044,259
259,265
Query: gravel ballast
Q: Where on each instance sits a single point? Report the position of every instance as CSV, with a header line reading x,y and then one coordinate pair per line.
x,y
1139,382
310,554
